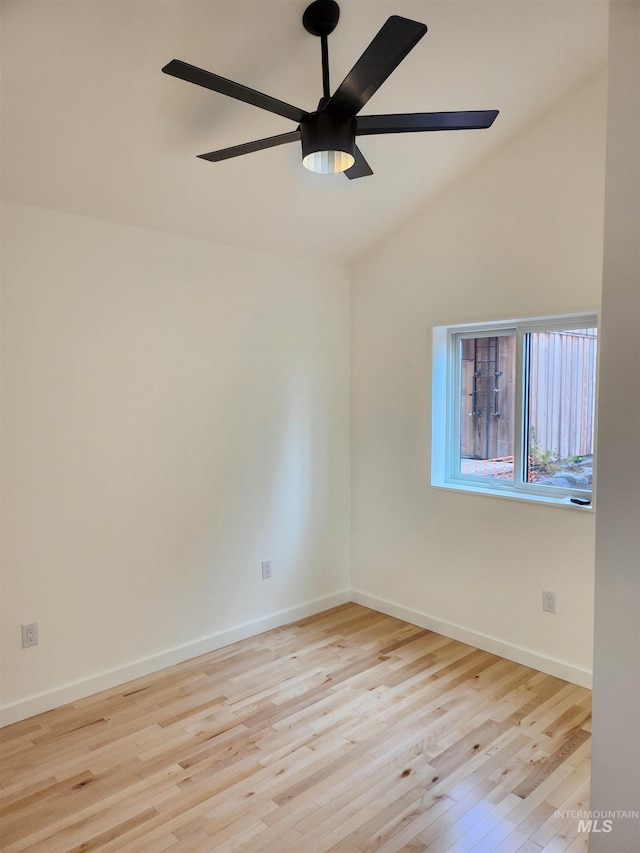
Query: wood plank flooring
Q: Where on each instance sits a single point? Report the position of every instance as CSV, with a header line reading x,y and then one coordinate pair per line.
x,y
348,731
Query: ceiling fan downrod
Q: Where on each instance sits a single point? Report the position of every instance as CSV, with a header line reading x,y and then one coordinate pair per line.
x,y
320,19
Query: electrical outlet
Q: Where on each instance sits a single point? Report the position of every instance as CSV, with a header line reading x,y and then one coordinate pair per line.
x,y
266,569
29,634
548,601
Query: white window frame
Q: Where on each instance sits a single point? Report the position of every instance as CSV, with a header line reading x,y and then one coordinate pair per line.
x,y
446,391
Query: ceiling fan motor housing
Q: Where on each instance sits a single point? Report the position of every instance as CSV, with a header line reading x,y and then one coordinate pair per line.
x,y
322,131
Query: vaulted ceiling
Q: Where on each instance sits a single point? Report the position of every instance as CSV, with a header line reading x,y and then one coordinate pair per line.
x,y
91,126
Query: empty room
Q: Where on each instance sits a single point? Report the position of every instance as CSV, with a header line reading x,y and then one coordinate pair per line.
x,y
320,499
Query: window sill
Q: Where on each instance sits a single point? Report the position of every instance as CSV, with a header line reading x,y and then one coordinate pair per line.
x,y
564,502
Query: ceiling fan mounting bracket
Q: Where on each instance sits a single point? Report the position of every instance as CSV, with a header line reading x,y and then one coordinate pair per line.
x,y
321,17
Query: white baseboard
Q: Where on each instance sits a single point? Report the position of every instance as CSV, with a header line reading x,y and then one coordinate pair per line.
x,y
105,680
558,668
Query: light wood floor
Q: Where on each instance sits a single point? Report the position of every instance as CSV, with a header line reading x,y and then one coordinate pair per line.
x,y
348,731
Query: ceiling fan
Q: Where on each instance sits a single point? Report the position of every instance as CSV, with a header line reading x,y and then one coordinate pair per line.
x,y
328,134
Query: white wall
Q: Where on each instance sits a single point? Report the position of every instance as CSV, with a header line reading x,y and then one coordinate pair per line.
x,y
174,412
616,699
519,236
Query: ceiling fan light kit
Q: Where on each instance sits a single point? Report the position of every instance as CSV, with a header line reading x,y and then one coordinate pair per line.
x,y
328,142
328,134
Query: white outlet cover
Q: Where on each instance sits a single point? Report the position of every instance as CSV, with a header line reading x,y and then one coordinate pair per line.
x,y
30,634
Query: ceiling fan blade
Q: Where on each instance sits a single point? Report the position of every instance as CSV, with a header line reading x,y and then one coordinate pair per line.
x,y
360,168
408,122
184,71
248,147
387,50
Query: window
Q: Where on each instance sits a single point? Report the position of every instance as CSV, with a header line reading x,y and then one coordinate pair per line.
x,y
514,407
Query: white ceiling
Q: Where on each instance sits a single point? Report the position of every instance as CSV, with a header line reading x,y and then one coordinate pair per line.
x,y
90,125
